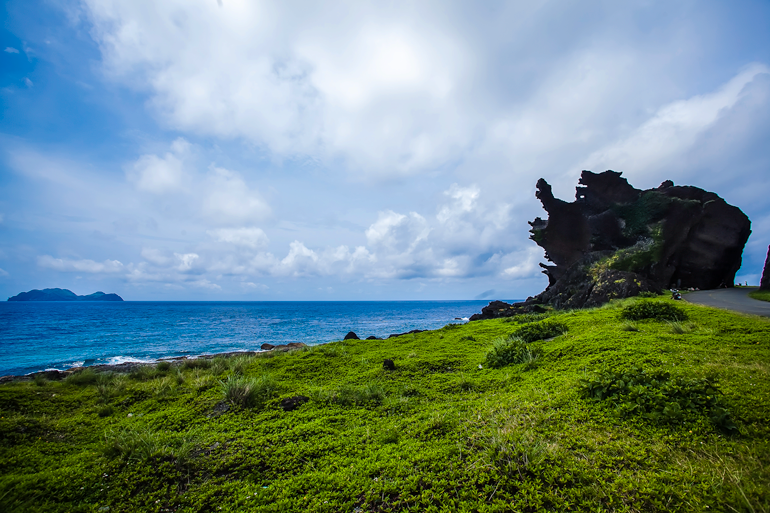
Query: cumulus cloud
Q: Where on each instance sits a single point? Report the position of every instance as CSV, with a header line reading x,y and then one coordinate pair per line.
x,y
159,175
86,266
230,200
10,49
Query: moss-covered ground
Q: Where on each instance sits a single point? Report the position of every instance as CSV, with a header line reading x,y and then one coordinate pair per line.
x,y
574,429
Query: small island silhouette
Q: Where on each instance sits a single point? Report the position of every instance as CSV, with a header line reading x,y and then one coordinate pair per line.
x,y
62,295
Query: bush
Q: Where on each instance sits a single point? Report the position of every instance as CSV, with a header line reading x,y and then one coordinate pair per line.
x,y
511,350
658,396
247,392
164,366
658,310
647,294
196,363
540,331
83,378
142,445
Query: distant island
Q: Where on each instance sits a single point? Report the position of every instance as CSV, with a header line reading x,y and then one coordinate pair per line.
x,y
62,295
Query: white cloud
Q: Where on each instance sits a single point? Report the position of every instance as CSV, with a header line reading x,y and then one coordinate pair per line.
x,y
230,200
247,237
9,49
87,266
673,129
28,82
186,261
3,272
161,174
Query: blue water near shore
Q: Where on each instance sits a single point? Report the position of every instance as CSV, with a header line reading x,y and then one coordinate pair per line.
x,y
57,335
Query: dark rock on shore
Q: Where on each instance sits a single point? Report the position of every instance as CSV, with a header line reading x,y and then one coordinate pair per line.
x,y
292,403
62,295
764,283
372,337
388,365
402,334
266,347
351,336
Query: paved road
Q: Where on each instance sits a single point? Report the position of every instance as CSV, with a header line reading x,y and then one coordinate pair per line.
x,y
736,299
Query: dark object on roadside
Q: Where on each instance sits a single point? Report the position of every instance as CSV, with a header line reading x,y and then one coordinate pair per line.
x,y
764,283
388,365
372,337
393,335
351,336
676,295
266,347
292,403
62,295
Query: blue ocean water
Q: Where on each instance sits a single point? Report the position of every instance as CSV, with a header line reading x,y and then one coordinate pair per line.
x,y
57,335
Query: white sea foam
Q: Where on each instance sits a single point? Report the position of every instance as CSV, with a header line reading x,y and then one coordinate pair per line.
x,y
117,360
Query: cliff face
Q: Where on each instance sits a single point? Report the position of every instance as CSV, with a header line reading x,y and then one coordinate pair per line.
x,y
764,283
616,241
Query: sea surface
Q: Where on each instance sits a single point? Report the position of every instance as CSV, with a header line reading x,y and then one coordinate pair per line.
x,y
36,336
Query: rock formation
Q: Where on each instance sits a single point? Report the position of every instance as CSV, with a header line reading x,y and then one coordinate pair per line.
x,y
62,295
616,241
764,283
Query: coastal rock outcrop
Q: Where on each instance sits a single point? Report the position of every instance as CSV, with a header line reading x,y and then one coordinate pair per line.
x,y
764,283
62,295
617,241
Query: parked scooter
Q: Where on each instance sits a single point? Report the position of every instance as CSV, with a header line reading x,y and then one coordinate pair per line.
x,y
676,295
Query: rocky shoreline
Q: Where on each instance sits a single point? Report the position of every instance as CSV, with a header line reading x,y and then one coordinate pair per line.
x,y
266,348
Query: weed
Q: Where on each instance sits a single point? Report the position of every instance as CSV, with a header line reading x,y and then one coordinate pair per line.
x,y
629,326
196,363
680,328
247,392
82,378
143,444
509,351
164,366
40,380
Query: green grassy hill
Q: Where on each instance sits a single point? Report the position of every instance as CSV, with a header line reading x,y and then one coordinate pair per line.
x,y
613,414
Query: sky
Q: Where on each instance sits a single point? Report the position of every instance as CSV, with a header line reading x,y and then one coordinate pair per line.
x,y
247,150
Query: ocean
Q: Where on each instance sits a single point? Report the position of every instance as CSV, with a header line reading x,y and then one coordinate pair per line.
x,y
35,336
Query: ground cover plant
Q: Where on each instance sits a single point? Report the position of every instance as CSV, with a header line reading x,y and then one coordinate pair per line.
x,y
762,295
613,414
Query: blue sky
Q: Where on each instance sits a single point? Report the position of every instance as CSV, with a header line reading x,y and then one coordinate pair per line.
x,y
245,150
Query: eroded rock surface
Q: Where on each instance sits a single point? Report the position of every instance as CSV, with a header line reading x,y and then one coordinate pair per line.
x,y
764,283
616,241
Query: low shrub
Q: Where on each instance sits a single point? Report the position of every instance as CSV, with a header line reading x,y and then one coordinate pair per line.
x,y
657,310
247,392
164,366
509,351
647,294
196,363
144,444
540,331
105,411
658,396
83,378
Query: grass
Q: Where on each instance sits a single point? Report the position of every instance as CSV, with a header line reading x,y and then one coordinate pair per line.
x,y
762,295
653,414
